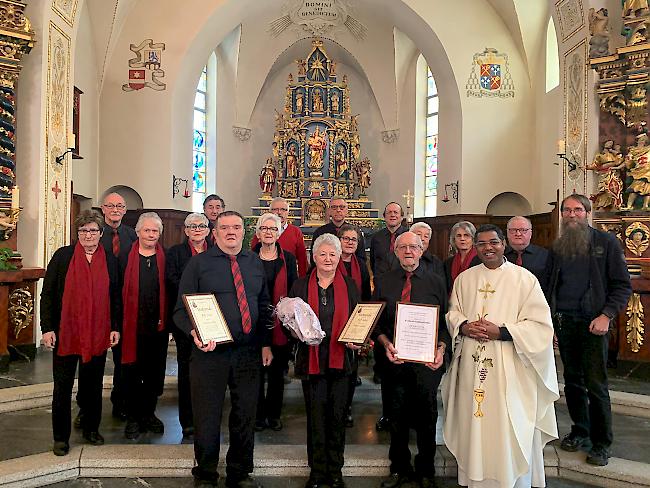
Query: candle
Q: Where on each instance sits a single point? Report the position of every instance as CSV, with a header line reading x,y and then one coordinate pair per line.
x,y
561,146
71,139
15,197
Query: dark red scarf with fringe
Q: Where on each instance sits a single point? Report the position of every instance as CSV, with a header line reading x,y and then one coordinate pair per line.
x,y
354,268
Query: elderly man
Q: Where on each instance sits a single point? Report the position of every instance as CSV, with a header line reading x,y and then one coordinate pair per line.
x,y
520,251
117,239
213,205
432,263
412,386
587,285
338,212
382,243
501,386
236,278
291,238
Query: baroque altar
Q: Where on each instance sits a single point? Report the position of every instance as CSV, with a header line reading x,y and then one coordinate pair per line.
x,y
316,149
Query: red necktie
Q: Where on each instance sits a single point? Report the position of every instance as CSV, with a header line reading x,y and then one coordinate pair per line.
x,y
406,291
116,243
241,295
519,261
393,236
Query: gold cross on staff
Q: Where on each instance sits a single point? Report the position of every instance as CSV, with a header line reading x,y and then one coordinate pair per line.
x,y
408,197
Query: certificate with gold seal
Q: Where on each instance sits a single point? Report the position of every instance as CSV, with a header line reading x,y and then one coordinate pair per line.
x,y
416,332
207,318
362,321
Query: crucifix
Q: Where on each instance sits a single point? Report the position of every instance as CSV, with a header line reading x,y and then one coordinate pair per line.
x,y
487,293
409,215
56,189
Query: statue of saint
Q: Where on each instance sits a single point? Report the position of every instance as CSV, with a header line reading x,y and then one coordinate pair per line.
x,y
341,164
291,161
608,165
335,102
317,144
318,102
635,8
356,151
363,170
302,67
638,163
267,177
299,102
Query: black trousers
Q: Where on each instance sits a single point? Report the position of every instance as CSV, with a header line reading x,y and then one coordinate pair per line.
x,y
353,379
326,404
144,380
237,368
117,394
584,356
413,403
89,393
269,403
382,364
184,346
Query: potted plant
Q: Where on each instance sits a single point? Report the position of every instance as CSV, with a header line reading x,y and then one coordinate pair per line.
x,y
6,256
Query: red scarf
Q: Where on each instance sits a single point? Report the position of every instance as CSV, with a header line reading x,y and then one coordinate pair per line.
x,y
341,313
279,291
86,310
194,251
130,292
354,267
459,265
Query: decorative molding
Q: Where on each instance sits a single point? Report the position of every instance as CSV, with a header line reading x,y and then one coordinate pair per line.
x,y
241,133
21,308
390,136
66,9
571,17
57,126
575,118
318,18
634,326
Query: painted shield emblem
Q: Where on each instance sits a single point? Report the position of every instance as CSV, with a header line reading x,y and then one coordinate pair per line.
x,y
490,76
136,78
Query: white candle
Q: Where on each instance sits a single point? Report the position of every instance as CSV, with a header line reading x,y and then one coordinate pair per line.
x,y
561,146
71,139
15,197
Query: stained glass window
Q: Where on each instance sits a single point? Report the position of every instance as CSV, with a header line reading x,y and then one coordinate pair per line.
x,y
198,145
431,151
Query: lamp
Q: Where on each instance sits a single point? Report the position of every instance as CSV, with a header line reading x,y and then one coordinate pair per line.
x,y
176,187
59,159
561,152
454,192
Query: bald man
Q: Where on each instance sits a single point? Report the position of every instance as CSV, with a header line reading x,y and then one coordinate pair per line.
x,y
520,251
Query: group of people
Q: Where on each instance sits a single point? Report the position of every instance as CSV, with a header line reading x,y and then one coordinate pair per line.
x,y
501,302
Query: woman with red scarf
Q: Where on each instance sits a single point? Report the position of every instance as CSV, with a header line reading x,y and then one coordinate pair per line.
x,y
196,230
325,369
281,271
144,336
461,240
80,318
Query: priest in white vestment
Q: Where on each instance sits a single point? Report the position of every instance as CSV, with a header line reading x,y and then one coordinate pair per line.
x,y
500,390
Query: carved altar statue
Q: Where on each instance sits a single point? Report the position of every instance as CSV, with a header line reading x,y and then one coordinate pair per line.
x,y
318,102
291,162
608,165
341,164
635,8
317,144
363,170
638,164
599,31
267,177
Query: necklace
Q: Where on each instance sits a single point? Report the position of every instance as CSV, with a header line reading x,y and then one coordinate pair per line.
x,y
269,257
323,296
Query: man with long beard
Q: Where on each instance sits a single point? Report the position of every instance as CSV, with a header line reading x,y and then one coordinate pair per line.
x,y
587,285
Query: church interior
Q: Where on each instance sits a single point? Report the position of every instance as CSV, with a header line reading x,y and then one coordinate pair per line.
x,y
475,110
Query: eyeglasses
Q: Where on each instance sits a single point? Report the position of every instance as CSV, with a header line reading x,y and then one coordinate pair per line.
x,y
264,228
196,226
338,207
518,231
491,242
279,209
349,239
92,232
574,211
111,206
410,247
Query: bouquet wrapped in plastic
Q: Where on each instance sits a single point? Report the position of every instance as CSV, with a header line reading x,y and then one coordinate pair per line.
x,y
300,319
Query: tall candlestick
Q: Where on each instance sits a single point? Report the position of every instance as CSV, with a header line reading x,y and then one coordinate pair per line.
x,y
15,197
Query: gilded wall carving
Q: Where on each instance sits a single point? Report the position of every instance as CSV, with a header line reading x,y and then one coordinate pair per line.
x,y
56,130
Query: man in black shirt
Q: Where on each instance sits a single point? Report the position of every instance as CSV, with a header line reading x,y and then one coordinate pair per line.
x,y
382,243
520,251
586,284
338,212
213,205
412,386
117,239
236,278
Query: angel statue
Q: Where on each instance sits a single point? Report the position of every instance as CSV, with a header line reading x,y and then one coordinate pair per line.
x,y
608,165
363,169
638,164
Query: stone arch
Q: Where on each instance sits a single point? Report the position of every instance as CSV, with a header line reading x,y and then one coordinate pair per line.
x,y
509,203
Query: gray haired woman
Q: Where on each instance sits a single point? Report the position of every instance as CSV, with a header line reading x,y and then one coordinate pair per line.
x,y
461,240
325,369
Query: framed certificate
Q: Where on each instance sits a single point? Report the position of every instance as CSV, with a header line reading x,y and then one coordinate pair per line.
x,y
416,332
207,319
362,320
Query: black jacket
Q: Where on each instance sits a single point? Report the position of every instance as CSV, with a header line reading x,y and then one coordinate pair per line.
x,y
126,235
330,228
381,259
54,284
450,284
609,279
176,259
533,259
301,364
210,272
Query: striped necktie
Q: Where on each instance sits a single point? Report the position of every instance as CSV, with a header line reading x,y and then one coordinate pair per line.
x,y
241,295
406,291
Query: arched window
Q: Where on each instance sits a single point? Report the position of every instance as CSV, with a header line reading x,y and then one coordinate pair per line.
x,y
552,57
199,152
431,148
